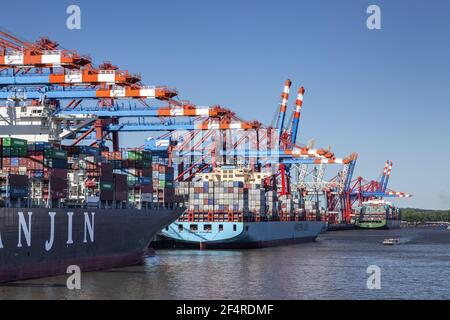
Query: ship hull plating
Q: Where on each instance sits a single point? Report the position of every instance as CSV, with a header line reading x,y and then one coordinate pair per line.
x,y
38,245
382,224
243,235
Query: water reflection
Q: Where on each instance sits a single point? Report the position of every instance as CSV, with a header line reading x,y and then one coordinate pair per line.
x,y
334,267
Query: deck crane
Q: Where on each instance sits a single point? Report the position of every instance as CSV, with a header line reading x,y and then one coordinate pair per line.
x,y
282,136
44,53
383,176
282,111
76,83
345,194
384,184
144,92
371,189
283,107
296,117
295,155
74,77
359,190
114,126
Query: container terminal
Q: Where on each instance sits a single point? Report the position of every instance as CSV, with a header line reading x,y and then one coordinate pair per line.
x,y
77,196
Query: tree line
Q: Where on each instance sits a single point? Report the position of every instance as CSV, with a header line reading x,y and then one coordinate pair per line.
x,y
421,215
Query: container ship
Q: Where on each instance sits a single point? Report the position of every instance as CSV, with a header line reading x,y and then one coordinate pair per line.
x,y
233,208
69,194
378,214
78,205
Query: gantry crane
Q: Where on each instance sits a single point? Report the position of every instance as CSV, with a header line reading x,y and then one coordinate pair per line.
x,y
79,99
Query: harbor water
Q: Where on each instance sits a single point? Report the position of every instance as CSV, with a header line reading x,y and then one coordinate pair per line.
x,y
333,267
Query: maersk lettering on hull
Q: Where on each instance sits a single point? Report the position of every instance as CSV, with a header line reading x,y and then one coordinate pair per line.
x,y
37,242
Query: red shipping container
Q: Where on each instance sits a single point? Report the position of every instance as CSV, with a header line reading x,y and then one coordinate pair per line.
x,y
13,170
146,188
23,162
106,195
18,180
106,154
121,195
120,181
169,195
58,183
59,194
106,172
129,163
147,172
58,173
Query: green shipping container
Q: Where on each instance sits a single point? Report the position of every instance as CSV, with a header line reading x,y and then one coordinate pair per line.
x,y
14,152
132,180
19,152
146,155
146,164
165,184
55,154
135,155
107,186
14,142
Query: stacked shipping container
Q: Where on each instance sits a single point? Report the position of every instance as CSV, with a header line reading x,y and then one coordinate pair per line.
x,y
163,186
138,164
215,199
74,174
222,198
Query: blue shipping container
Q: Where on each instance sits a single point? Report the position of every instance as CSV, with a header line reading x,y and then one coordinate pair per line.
x,y
145,180
18,191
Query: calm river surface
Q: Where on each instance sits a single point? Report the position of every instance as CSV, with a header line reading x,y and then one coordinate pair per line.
x,y
333,267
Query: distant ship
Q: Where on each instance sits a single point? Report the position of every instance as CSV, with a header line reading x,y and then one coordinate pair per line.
x,y
378,214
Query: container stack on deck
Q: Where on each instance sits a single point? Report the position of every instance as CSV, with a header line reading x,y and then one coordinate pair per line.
x,y
42,174
163,186
211,199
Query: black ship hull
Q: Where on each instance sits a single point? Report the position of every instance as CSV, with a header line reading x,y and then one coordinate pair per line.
x,y
48,241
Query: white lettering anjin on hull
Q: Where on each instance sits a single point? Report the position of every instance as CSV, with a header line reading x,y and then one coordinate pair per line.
x,y
25,228
69,227
89,226
49,243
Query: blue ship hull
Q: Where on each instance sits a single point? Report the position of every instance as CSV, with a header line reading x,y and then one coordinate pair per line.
x,y
238,235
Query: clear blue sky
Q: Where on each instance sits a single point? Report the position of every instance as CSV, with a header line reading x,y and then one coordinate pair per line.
x,y
382,93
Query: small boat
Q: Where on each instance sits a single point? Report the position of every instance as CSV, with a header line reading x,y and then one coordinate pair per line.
x,y
391,241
